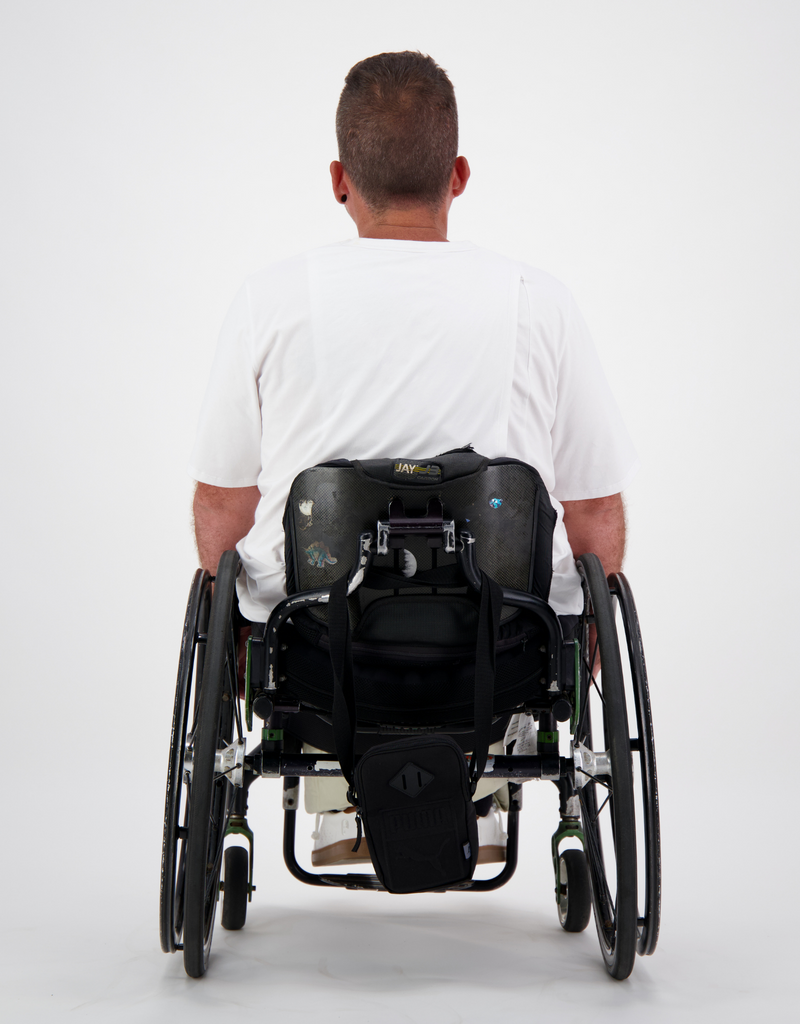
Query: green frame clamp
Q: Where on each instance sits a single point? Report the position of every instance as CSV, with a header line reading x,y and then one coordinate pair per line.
x,y
237,826
568,828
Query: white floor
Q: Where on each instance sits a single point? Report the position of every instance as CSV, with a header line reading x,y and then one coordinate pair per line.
x,y
361,960
83,945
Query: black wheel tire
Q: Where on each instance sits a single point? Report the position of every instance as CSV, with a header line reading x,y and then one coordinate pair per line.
x,y
236,888
216,718
609,824
649,829
574,891
176,810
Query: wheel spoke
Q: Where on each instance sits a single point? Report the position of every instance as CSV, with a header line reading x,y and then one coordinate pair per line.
x,y
597,779
599,809
604,897
218,832
593,679
233,689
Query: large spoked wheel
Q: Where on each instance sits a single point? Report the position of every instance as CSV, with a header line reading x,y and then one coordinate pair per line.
x,y
606,788
217,722
176,811
644,770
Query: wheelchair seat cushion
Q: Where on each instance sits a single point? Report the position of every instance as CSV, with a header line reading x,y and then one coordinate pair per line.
x,y
418,685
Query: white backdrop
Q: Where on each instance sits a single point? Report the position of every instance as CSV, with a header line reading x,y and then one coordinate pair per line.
x,y
154,154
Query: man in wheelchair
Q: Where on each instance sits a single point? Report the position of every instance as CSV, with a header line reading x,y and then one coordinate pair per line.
x,y
387,350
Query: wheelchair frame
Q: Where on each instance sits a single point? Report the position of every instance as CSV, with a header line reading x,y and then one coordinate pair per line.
x,y
210,772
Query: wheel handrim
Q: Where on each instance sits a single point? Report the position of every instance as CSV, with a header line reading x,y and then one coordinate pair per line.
x,y
650,906
176,810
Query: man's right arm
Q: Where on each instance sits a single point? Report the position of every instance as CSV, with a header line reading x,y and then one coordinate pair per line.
x,y
597,525
222,516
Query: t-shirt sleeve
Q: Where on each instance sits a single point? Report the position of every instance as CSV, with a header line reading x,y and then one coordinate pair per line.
x,y
227,448
593,455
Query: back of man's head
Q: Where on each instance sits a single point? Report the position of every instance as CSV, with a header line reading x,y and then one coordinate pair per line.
x,y
397,129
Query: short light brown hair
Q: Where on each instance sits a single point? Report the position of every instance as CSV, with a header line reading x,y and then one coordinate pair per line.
x,y
397,129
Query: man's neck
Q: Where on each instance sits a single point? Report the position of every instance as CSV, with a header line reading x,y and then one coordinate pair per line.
x,y
416,224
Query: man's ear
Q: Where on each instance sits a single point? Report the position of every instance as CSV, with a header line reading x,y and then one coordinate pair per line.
x,y
340,187
460,177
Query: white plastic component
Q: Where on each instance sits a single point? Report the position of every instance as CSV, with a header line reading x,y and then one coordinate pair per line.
x,y
573,807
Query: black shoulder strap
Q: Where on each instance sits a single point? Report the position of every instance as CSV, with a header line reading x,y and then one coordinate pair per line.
x,y
485,664
344,701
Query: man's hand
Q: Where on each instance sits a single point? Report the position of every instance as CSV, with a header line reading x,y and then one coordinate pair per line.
x,y
222,516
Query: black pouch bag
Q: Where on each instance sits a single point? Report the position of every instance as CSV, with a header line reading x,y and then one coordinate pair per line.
x,y
416,806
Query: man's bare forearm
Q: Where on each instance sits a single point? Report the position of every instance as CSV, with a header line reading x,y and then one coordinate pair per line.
x,y
597,525
222,516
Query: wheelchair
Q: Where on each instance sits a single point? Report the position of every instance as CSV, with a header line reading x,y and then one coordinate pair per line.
x,y
407,573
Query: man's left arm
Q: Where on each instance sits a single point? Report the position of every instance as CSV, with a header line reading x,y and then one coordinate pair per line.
x,y
222,516
597,525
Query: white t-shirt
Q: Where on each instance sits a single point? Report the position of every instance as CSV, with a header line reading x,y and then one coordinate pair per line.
x,y
377,348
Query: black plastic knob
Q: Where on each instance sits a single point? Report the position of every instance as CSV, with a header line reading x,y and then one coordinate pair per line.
x,y
262,706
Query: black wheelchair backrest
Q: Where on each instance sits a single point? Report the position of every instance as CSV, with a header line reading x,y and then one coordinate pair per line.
x,y
503,504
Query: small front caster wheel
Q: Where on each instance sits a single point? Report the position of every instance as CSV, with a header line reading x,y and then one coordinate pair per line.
x,y
235,889
574,891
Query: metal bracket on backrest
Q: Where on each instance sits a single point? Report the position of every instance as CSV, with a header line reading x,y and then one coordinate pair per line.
x,y
393,532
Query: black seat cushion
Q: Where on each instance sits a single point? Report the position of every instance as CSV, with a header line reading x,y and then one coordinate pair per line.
x,y
422,686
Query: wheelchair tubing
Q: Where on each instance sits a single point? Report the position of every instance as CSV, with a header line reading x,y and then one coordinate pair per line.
x,y
190,670
615,913
650,918
211,794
